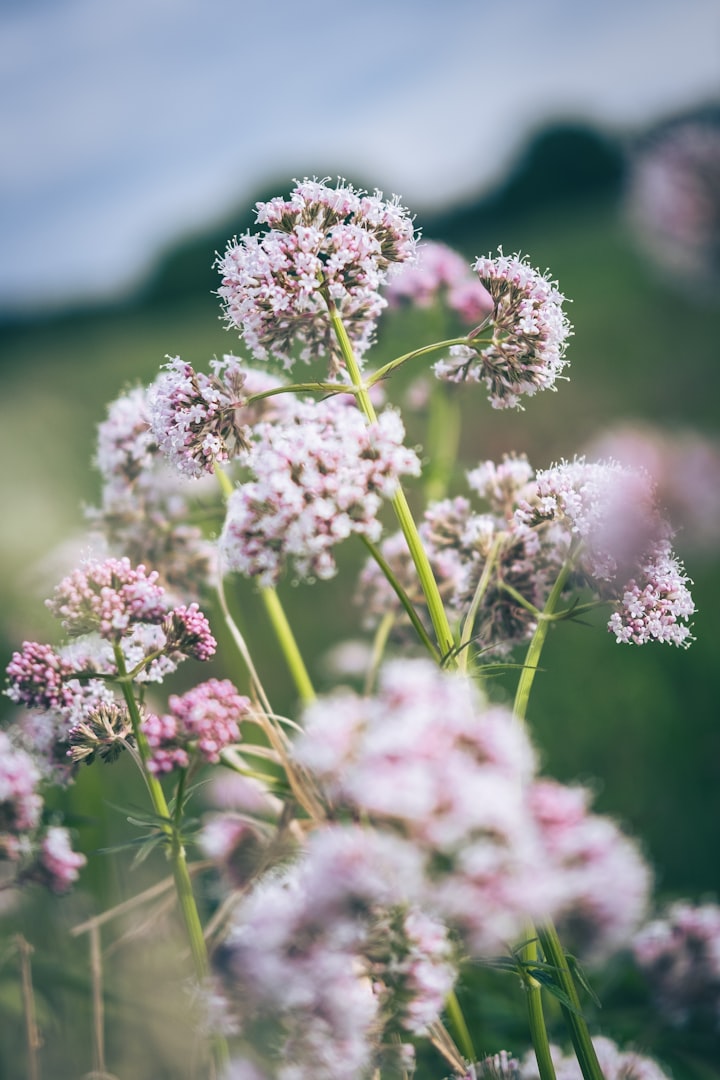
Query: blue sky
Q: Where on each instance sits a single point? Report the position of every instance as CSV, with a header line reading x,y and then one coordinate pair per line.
x,y
126,124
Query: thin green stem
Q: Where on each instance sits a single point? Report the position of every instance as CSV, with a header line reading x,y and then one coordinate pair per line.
x,y
402,597
547,934
299,388
387,369
379,642
481,589
462,1032
288,644
400,504
181,875
579,1033
536,1017
443,438
532,657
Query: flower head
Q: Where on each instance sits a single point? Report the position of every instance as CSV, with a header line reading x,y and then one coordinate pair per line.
x,y
337,244
109,597
200,419
319,477
439,270
530,332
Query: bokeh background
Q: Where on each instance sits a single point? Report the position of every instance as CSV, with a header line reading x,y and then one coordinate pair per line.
x,y
136,138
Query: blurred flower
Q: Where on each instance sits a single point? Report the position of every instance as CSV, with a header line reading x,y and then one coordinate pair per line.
x,y
427,758
685,466
679,954
345,240
146,511
673,202
440,272
58,865
615,1064
530,332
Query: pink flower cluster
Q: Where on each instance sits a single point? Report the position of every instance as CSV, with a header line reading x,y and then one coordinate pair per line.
x,y
344,240
206,719
610,516
42,854
309,970
459,542
530,332
198,419
679,954
187,633
146,503
440,271
20,803
685,466
427,758
318,478
58,864
108,597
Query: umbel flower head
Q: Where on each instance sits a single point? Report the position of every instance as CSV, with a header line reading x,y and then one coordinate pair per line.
x,y
319,477
341,239
529,339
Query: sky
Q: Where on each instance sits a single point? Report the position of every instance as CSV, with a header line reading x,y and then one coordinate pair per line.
x,y
124,126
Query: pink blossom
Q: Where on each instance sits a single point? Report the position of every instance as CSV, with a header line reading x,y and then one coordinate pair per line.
x,y
318,478
109,597
439,270
589,851
205,719
37,677
146,503
530,332
187,632
344,239
59,864
20,803
679,954
200,419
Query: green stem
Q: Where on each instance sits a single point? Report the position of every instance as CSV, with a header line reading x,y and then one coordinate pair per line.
x,y
383,372
443,438
552,949
536,1018
402,597
482,586
400,504
379,642
181,875
462,1033
532,657
288,644
579,1033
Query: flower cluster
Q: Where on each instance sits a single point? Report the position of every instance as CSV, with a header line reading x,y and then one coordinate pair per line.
x,y
205,719
112,606
108,597
621,543
616,1064
41,853
319,477
198,419
685,466
679,954
427,758
530,332
146,504
322,245
673,202
468,549
440,271
308,970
